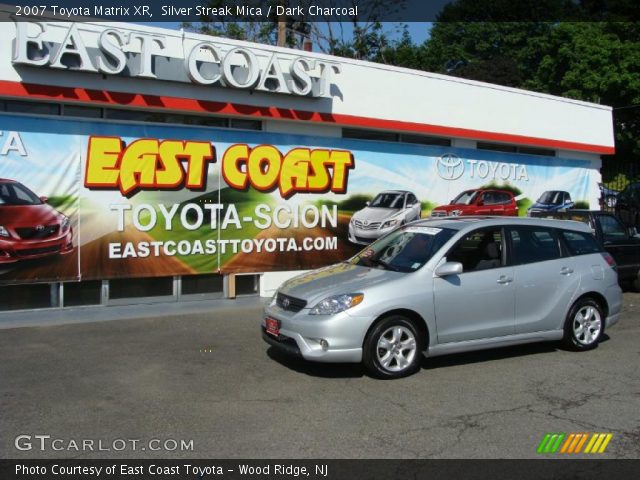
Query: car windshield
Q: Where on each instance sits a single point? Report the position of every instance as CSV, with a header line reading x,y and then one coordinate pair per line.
x,y
16,194
551,198
404,250
465,198
387,200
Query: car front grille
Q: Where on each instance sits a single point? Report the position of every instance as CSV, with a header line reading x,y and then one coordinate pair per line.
x,y
37,233
291,304
367,225
28,252
364,240
438,214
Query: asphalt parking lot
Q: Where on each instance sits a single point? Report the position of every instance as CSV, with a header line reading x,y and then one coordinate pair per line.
x,y
211,379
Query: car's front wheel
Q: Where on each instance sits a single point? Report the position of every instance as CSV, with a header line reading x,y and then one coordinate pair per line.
x,y
584,326
393,348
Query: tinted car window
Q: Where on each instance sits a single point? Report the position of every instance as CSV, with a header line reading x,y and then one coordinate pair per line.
x,y
388,200
580,243
15,194
480,250
612,229
465,198
503,198
533,244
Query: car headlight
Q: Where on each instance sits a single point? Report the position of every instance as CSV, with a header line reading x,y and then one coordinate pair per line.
x,y
3,232
390,223
65,222
456,213
337,304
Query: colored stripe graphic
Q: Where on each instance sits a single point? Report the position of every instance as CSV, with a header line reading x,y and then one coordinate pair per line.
x,y
550,443
573,443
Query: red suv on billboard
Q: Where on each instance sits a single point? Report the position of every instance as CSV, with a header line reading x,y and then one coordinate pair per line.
x,y
29,228
479,202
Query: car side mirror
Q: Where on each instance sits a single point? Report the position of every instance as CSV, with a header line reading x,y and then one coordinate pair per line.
x,y
449,268
44,199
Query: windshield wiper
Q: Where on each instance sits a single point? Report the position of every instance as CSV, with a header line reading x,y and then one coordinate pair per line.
x,y
384,264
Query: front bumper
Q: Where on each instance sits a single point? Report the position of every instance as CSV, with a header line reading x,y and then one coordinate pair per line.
x,y
12,251
300,335
365,237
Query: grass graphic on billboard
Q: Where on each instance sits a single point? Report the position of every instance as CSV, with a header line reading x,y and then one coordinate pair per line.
x,y
244,202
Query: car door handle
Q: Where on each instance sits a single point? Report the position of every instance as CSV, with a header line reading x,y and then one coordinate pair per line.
x,y
504,280
566,271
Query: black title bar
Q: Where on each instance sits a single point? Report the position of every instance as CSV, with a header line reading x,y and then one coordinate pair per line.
x,y
141,11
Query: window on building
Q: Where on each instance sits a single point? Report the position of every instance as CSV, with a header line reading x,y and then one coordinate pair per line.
x,y
244,124
545,152
369,135
497,147
26,297
40,108
503,147
424,140
82,111
82,293
206,121
247,284
140,287
201,284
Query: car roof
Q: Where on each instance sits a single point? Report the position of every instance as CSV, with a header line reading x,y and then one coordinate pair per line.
x,y
395,191
7,180
489,189
470,222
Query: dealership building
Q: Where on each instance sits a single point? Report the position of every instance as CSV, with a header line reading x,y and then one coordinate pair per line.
x,y
76,100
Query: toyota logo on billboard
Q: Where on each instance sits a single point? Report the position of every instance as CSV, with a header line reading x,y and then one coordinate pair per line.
x,y
450,166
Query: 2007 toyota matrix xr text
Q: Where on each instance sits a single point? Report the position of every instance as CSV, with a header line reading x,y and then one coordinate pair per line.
x,y
451,285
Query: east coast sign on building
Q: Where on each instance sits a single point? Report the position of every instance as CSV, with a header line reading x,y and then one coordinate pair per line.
x,y
183,58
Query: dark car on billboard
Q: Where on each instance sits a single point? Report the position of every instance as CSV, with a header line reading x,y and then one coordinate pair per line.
x,y
479,202
29,227
551,201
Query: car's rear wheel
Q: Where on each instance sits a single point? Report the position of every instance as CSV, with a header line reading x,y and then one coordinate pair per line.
x,y
584,326
393,348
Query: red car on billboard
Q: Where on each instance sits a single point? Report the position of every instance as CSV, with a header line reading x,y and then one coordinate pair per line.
x,y
479,202
29,228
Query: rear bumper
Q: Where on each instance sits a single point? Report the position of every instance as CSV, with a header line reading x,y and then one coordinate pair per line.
x,y
614,300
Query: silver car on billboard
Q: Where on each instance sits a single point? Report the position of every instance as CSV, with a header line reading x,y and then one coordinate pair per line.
x,y
387,211
452,285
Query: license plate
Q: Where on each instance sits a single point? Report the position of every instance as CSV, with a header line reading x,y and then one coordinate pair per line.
x,y
273,326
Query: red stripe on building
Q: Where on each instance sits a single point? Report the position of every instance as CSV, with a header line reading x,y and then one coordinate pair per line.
x,y
125,99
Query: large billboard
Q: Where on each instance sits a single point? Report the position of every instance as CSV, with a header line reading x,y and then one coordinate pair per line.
x,y
99,200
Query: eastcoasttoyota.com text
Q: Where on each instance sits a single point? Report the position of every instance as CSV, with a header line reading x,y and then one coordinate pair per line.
x,y
323,239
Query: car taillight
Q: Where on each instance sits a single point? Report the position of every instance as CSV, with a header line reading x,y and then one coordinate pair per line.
x,y
609,259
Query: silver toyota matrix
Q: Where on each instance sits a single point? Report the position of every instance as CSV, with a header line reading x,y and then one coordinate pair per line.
x,y
434,287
